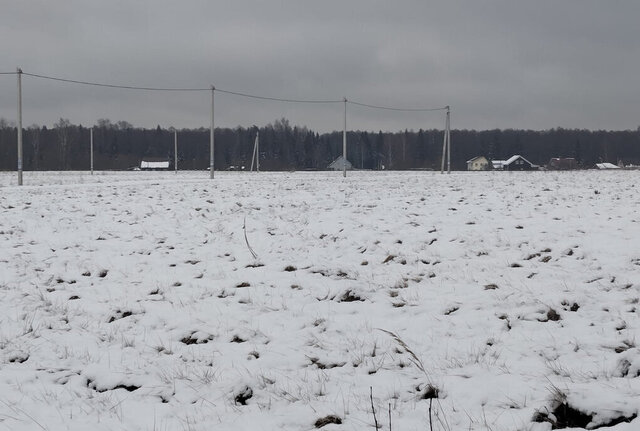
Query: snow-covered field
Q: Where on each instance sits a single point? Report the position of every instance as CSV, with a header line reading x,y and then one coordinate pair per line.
x,y
132,301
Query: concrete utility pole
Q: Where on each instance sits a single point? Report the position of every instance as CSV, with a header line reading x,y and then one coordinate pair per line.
x,y
211,138
91,140
444,148
175,151
344,141
448,140
19,126
256,153
446,143
253,155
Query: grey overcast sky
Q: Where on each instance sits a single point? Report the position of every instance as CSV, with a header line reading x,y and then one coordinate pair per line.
x,y
498,63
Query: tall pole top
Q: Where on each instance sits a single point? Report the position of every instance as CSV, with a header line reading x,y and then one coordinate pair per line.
x,y
18,70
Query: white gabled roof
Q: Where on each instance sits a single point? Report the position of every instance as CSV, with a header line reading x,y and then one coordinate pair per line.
x,y
607,166
476,158
516,157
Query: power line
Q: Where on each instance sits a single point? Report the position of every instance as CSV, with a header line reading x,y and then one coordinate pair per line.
x,y
133,87
389,108
277,99
125,87
219,90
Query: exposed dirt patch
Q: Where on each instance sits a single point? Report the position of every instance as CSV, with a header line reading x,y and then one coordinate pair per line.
x,y
331,419
565,416
350,296
243,395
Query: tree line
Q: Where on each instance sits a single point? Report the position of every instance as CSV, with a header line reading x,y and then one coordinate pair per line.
x,y
120,145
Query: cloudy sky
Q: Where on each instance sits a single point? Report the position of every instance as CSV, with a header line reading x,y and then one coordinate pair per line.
x,y
498,63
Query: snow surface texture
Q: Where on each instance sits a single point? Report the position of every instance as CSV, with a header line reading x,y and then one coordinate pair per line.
x,y
132,301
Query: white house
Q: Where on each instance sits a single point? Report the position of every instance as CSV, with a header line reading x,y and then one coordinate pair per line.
x,y
479,163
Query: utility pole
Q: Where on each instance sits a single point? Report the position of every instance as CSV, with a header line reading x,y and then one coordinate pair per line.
x,y
258,151
444,148
91,140
446,143
19,126
344,141
448,140
211,137
175,151
253,156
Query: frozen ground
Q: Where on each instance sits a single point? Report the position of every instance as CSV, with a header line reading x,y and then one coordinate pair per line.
x,y
132,301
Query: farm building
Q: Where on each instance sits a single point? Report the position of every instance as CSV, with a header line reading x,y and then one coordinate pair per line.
x,y
339,164
479,163
154,165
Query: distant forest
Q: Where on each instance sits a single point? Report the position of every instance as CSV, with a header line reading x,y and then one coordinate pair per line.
x,y
120,145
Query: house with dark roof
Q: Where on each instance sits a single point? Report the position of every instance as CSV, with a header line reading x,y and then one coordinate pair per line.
x,y
514,163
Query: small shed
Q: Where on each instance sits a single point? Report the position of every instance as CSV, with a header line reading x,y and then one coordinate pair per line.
x,y
479,163
339,164
154,165
518,163
497,165
607,166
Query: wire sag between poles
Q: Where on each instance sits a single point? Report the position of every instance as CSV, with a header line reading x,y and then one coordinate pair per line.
x,y
222,90
345,101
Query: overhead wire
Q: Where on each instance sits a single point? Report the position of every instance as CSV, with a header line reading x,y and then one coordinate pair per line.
x,y
125,87
390,108
277,99
221,90
134,87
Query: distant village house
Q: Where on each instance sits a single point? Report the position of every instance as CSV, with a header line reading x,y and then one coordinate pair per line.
x,y
479,163
514,163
